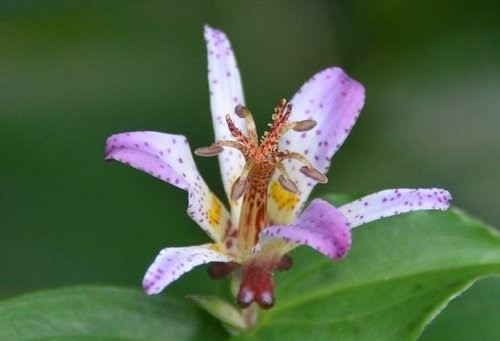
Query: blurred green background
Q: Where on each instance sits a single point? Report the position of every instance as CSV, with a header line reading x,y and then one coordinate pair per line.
x,y
72,73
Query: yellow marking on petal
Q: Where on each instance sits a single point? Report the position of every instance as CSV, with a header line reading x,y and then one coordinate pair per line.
x,y
215,247
284,199
275,248
214,212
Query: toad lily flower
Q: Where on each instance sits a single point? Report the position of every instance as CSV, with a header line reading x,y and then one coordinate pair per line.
x,y
266,181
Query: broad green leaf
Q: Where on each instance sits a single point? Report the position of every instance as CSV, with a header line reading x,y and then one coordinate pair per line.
x,y
475,315
400,273
94,313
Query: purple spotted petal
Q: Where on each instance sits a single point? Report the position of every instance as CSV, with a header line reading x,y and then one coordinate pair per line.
x,y
334,101
393,202
321,226
172,262
225,93
169,158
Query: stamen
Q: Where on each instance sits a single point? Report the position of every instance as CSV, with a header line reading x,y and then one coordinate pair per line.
x,y
314,174
209,151
285,180
261,161
287,184
239,187
240,184
232,144
216,148
243,112
303,125
308,169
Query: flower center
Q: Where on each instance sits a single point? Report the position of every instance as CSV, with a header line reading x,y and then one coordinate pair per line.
x,y
262,159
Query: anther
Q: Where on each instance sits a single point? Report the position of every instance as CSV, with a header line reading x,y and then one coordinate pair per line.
x,y
239,187
241,183
287,184
209,151
285,180
241,111
303,125
314,174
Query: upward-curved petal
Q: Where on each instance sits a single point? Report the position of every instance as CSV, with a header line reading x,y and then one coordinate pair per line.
x,y
168,157
226,92
334,101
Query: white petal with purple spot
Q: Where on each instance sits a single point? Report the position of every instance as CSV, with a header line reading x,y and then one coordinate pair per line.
x,y
169,158
226,92
321,226
392,202
334,101
172,262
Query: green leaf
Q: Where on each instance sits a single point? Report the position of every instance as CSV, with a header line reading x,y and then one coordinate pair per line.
x,y
401,272
93,313
475,315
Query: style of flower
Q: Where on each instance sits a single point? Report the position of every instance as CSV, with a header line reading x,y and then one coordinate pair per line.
x,y
267,181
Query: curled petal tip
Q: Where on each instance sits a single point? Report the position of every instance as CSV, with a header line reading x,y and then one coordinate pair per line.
x,y
207,28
